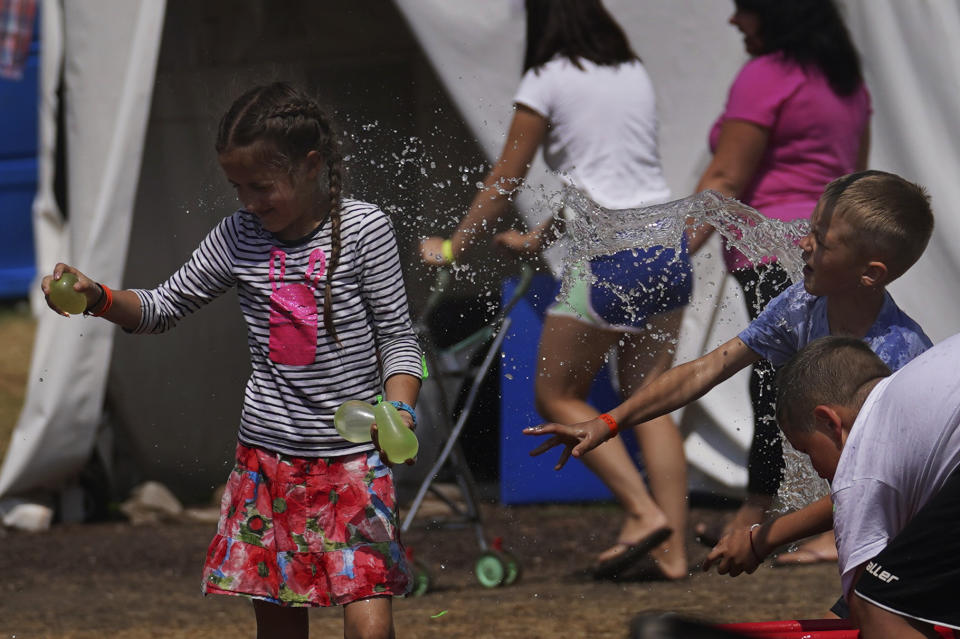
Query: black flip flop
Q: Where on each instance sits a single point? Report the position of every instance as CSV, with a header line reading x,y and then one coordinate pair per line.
x,y
613,567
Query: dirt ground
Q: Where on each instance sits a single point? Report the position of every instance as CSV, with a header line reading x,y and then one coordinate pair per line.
x,y
116,579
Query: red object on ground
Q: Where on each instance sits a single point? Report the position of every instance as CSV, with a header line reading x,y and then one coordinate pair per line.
x,y
808,629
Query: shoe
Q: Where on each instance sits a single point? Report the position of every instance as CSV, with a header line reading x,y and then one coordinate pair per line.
x,y
613,567
645,569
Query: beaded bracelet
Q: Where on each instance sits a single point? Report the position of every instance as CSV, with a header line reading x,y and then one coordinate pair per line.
x,y
405,407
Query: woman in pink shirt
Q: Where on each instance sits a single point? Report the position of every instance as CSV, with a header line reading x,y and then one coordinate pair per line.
x,y
797,116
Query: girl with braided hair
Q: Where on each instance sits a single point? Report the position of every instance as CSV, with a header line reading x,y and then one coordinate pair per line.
x,y
308,518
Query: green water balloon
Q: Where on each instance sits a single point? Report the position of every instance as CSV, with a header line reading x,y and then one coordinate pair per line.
x,y
396,440
64,297
353,420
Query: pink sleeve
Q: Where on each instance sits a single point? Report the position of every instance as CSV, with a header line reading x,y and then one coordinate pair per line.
x,y
760,88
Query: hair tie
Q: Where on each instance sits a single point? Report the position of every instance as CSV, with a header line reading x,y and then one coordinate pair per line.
x,y
105,292
446,251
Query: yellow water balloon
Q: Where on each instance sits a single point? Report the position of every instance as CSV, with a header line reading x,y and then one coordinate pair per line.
x,y
64,297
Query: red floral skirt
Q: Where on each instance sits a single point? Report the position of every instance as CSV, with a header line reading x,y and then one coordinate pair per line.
x,y
307,531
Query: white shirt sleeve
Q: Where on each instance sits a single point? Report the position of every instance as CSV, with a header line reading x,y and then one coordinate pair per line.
x,y
865,518
535,90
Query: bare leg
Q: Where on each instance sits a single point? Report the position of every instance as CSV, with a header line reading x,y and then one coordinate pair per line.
x,y
876,623
642,358
280,622
369,619
571,353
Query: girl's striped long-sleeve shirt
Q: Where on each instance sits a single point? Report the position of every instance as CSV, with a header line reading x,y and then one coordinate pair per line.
x,y
300,373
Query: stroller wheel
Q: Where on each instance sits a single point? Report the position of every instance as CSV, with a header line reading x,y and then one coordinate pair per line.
x,y
491,569
421,580
514,569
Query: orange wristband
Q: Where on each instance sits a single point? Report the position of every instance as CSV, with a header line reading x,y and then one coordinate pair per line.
x,y
107,302
611,423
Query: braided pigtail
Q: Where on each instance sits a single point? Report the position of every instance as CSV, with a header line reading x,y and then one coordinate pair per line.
x,y
335,175
287,125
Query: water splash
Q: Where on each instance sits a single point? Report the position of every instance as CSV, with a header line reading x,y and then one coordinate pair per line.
x,y
414,164
595,231
801,485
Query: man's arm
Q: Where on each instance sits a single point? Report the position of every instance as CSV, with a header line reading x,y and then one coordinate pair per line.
x,y
744,549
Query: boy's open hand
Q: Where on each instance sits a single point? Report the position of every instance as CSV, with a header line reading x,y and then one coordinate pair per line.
x,y
733,554
578,439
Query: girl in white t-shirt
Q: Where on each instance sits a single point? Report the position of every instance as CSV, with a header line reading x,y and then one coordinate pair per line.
x,y
587,100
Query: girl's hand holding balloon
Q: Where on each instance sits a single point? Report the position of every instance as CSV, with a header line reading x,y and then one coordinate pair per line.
x,y
393,435
68,291
390,430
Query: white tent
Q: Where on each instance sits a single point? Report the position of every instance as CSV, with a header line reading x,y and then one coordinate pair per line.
x,y
143,187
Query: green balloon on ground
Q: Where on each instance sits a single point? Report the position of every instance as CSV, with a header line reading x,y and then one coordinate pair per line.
x,y
64,297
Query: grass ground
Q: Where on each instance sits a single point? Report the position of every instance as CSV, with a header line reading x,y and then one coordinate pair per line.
x,y
17,329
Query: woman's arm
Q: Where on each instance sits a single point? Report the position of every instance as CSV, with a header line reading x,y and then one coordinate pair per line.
x,y
863,153
527,132
672,390
533,241
740,148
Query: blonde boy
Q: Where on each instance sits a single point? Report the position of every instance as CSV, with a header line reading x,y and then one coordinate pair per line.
x,y
867,230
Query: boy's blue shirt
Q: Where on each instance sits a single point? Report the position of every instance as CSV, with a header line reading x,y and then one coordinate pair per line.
x,y
795,318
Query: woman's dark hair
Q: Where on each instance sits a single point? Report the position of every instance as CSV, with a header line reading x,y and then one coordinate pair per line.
x,y
290,124
809,32
574,29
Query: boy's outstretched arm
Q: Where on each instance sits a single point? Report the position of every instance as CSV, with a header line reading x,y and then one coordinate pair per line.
x,y
672,390
744,549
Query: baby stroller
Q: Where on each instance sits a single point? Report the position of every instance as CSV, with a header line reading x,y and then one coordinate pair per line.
x,y
457,372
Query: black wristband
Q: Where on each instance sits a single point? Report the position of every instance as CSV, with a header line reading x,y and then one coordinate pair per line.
x,y
89,309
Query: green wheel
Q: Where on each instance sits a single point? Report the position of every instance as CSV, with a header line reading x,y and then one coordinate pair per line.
x,y
491,569
513,568
421,580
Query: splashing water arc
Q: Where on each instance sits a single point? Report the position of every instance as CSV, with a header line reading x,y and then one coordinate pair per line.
x,y
595,231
